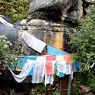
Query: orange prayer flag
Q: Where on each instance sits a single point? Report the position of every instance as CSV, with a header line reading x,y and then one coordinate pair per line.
x,y
68,58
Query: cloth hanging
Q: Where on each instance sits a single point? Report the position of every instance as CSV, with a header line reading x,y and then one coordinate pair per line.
x,y
59,57
25,71
51,57
33,42
22,60
49,71
49,67
75,66
49,79
68,58
53,51
39,70
50,64
68,69
43,68
61,68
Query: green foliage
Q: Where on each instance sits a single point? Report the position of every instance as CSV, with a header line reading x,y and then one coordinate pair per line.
x,y
17,9
75,90
40,88
6,56
55,93
83,43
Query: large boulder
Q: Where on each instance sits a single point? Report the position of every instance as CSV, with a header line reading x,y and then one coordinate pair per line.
x,y
89,1
75,12
70,9
61,10
88,9
37,4
8,29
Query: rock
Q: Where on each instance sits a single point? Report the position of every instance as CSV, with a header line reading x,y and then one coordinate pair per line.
x,y
88,9
45,31
66,10
29,0
44,25
76,13
69,10
42,9
90,93
37,22
9,30
85,88
7,18
3,21
23,22
17,24
37,4
89,1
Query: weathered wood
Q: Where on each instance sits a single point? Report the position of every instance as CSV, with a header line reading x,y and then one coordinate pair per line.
x,y
64,86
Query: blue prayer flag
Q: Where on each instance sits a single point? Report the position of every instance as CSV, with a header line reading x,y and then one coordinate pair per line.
x,y
53,51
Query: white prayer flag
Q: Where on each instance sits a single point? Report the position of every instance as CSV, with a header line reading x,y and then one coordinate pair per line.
x,y
61,66
33,42
25,71
60,57
68,69
26,36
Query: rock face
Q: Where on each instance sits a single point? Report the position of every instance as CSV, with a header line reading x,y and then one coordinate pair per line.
x,y
77,12
45,28
47,6
37,4
46,31
70,10
8,29
89,1
64,11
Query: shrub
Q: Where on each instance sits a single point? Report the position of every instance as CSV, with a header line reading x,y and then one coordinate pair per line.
x,y
83,43
7,57
16,9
